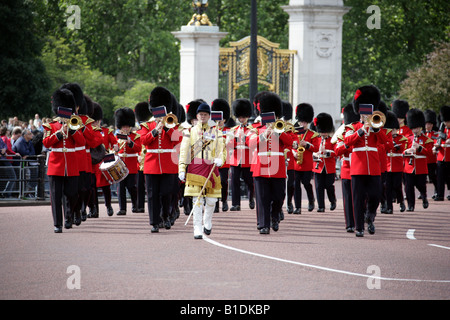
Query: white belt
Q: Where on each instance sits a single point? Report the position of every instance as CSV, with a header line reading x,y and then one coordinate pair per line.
x,y
160,150
270,153
126,155
242,147
346,158
420,157
64,149
365,149
390,154
79,148
88,150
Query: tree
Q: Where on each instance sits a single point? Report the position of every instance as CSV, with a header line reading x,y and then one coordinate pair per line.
x,y
23,80
428,86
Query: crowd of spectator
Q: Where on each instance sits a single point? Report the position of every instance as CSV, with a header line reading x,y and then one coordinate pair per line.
x,y
19,140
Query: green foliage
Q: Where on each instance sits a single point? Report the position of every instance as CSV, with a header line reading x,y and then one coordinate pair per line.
x,y
428,87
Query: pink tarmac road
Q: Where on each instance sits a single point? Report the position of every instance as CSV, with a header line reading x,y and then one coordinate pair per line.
x,y
310,257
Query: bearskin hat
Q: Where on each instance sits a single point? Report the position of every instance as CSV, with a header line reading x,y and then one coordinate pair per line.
x,y
159,97
324,123
381,107
256,101
304,112
142,112
415,118
391,121
88,107
271,102
349,114
242,108
97,114
430,117
181,114
63,98
221,105
444,113
287,110
191,109
366,95
400,108
77,93
124,117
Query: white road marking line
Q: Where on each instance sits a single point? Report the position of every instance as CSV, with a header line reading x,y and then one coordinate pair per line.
x,y
314,266
436,245
410,234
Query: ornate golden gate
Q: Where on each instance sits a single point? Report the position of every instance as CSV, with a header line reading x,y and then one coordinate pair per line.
x,y
275,68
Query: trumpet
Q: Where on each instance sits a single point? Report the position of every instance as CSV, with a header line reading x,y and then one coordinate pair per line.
x,y
377,120
75,122
170,121
279,126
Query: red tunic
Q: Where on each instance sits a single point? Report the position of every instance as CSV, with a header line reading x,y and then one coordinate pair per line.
x,y
394,155
62,160
238,147
313,140
328,157
418,165
109,140
129,155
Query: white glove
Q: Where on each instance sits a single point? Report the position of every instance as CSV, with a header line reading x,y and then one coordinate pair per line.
x,y
182,176
218,162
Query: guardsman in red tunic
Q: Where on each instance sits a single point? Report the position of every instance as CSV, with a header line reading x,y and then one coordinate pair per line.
x,y
431,131
239,154
365,167
325,168
383,160
224,126
110,145
62,165
269,170
394,164
442,147
344,152
143,114
161,160
415,160
129,145
308,140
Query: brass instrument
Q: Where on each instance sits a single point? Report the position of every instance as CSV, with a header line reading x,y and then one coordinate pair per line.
x,y
289,127
300,151
73,123
279,126
170,121
377,120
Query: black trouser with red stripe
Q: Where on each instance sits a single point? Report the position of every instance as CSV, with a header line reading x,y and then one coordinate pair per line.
x,y
366,196
348,203
269,194
63,188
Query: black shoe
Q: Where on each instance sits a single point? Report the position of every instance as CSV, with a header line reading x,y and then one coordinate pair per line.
x,y
350,229
311,206
224,206
402,207
275,226
371,227
155,229
439,198
389,211
167,225
83,215
297,211
290,208
425,203
410,209
77,221
198,237
57,230
321,210
235,208
206,231
434,196
109,211
68,224
121,213
92,212
251,204
333,206
264,231
359,233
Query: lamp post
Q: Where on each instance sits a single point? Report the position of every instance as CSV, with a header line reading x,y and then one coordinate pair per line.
x,y
199,18
253,86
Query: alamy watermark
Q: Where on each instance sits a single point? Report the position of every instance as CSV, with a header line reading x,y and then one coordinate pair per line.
x,y
73,21
74,280
374,21
374,281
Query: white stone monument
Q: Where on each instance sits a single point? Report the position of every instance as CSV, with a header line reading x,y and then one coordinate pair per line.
x,y
199,62
315,32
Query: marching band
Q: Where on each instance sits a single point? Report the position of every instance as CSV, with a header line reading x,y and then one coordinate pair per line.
x,y
186,158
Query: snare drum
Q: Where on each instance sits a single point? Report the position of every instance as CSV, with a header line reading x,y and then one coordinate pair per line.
x,y
114,171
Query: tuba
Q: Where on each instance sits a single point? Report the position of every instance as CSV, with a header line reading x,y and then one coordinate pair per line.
x,y
377,120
